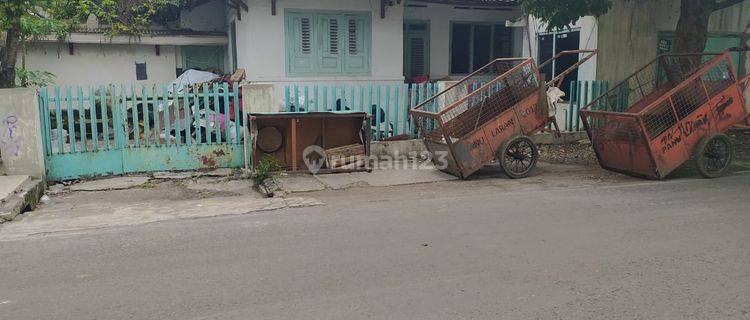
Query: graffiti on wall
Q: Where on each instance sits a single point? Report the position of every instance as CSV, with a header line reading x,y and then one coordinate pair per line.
x,y
10,138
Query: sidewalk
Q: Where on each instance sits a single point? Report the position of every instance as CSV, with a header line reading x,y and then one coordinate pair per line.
x,y
161,196
400,173
135,200
18,193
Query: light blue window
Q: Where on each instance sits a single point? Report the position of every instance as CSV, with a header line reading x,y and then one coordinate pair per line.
x,y
327,42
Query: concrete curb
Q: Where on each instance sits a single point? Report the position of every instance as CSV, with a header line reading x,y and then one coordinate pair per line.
x,y
564,138
27,196
414,147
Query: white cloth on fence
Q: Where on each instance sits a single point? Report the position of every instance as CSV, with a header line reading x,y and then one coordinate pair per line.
x,y
190,77
554,95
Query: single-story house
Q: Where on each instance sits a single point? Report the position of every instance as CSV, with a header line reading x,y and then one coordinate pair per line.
x,y
396,41
285,41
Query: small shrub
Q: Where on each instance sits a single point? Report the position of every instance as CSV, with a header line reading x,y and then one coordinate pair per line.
x,y
33,78
267,165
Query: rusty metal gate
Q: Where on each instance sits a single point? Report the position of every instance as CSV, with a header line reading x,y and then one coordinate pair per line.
x,y
109,130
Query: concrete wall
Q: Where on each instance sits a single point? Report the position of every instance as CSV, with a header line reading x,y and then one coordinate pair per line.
x,y
440,17
94,64
261,40
589,40
20,133
628,33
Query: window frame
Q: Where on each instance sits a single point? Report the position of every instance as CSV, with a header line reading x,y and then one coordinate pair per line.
x,y
427,44
364,47
554,34
473,24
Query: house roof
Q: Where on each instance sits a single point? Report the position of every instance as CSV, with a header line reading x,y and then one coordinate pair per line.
x,y
155,32
478,3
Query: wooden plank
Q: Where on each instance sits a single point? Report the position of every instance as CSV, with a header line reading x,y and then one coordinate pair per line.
x,y
387,123
287,102
117,117
377,114
216,114
134,111
225,88
105,120
93,122
293,130
144,111
166,111
307,98
197,113
348,162
361,98
187,107
58,121
71,120
316,103
345,151
396,108
239,113
325,97
44,112
177,117
405,111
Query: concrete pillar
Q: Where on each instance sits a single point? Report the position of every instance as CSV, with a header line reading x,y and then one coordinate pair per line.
x,y
21,133
256,97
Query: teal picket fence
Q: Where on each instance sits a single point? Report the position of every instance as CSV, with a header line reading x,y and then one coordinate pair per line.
x,y
581,95
387,103
104,130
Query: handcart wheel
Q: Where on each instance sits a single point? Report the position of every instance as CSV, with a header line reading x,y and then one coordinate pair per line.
x,y
518,157
713,155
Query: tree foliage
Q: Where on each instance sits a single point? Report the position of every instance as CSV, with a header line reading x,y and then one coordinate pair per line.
x,y
690,32
44,17
559,14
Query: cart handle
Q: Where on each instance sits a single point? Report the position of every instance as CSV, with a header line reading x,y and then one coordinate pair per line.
x,y
556,81
744,81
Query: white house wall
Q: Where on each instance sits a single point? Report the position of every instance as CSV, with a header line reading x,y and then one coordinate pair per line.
x,y
261,43
261,40
440,17
95,64
589,40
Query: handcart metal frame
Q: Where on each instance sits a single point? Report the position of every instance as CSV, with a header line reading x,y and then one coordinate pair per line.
x,y
673,109
490,115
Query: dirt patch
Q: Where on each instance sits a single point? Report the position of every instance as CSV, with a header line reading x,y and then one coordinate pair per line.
x,y
579,153
741,143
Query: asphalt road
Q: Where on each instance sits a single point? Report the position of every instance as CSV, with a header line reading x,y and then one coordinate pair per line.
x,y
647,250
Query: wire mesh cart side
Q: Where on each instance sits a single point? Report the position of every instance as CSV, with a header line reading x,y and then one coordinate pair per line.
x,y
671,110
492,109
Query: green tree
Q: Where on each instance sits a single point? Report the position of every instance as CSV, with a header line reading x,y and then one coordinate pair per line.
x,y
23,20
691,31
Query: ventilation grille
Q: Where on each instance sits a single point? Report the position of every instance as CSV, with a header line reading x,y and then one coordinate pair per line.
x,y
353,49
334,36
306,46
417,56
